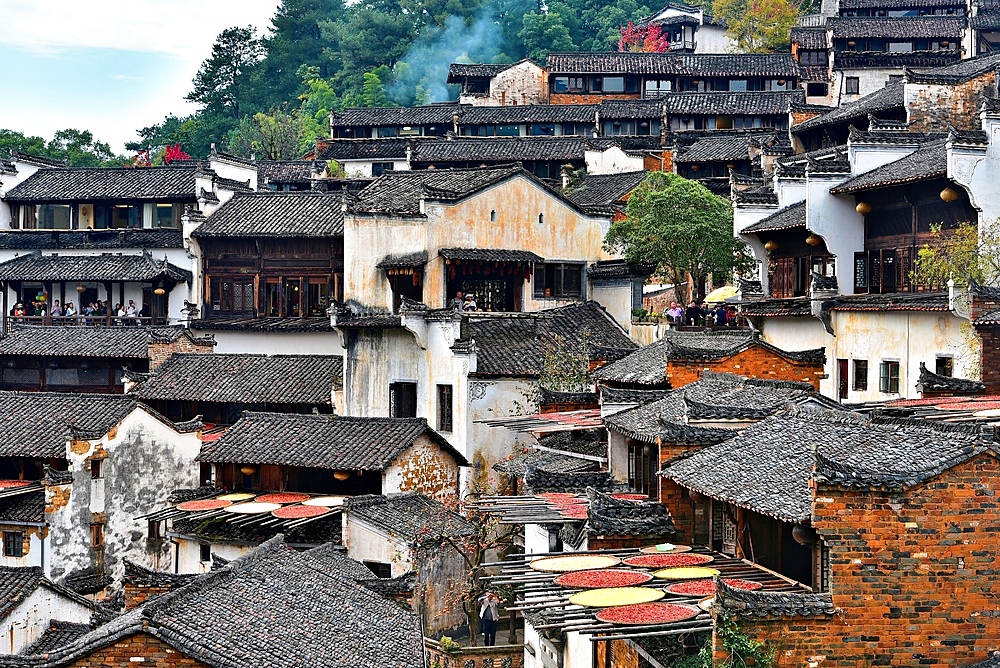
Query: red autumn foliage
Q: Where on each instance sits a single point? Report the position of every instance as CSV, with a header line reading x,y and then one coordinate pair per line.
x,y
174,153
643,39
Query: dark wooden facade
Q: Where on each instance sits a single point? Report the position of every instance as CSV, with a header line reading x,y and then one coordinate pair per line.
x,y
38,373
790,266
296,479
227,413
267,277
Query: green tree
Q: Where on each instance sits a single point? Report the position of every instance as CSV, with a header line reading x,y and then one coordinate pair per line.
x,y
276,135
9,139
967,251
373,90
682,229
758,26
223,79
544,32
80,149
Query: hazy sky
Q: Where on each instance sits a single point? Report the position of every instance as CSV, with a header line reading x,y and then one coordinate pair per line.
x,y
108,66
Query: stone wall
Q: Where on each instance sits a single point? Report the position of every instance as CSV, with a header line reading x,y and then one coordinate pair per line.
x,y
498,656
930,107
159,351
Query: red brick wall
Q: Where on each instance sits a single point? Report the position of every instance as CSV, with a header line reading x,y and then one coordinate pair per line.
x,y
152,650
989,365
913,575
159,352
584,98
623,654
675,497
755,362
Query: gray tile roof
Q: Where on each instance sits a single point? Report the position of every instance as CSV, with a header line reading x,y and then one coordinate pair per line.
x,y
932,382
985,19
498,149
539,481
308,324
131,268
285,171
244,378
16,584
489,255
79,239
898,301
58,634
930,161
458,71
516,345
39,424
273,606
607,516
363,149
709,149
529,113
285,215
102,184
604,190
717,65
699,104
411,516
809,38
784,219
958,72
647,365
992,662
320,441
885,99
735,602
218,530
80,341
909,27
767,468
400,192
28,507
431,114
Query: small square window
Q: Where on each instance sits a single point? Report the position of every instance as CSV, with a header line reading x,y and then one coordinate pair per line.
x,y
96,468
944,366
380,569
13,544
96,535
205,551
888,381
155,530
852,85
860,375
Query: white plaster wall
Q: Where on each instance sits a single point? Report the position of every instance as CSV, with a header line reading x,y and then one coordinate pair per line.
x,y
978,172
532,648
275,343
617,446
536,539
616,299
869,81
790,191
579,651
521,84
30,619
365,542
843,229
35,556
866,157
237,171
612,161
188,559
802,333
359,169
712,39
8,182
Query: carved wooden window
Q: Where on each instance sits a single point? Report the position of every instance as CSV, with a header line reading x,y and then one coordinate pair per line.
x,y
13,544
445,408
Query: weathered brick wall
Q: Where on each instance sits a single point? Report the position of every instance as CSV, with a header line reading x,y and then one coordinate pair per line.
x,y
913,575
675,497
801,642
125,653
660,162
426,468
989,364
755,362
136,595
159,352
475,657
592,98
931,106
623,655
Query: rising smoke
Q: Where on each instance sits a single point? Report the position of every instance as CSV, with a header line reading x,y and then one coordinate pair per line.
x,y
421,74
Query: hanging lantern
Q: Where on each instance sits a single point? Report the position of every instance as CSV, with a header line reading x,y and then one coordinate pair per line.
x,y
248,469
804,535
159,290
81,288
772,245
814,240
949,194
341,475
863,208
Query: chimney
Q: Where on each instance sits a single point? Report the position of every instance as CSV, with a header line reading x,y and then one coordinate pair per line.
x,y
564,173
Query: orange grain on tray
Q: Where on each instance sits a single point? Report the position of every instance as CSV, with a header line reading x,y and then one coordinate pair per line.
x,y
605,577
629,496
648,613
282,497
299,512
707,587
667,560
204,504
574,512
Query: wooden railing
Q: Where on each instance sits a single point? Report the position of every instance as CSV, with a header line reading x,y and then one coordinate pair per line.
x,y
108,320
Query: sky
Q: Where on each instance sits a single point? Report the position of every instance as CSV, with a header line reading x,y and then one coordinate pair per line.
x,y
108,66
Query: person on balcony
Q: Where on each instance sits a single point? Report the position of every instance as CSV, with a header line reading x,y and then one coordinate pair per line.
x,y
56,311
70,310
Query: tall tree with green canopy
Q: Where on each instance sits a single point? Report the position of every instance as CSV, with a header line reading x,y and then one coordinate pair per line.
x,y
545,32
77,147
757,26
223,80
681,228
969,250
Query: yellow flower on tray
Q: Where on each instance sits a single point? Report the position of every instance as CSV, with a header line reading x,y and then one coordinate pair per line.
x,y
573,563
612,596
686,573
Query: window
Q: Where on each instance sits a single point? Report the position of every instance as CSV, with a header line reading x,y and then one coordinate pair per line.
x,y
96,468
386,132
558,280
445,408
205,551
403,400
860,376
944,366
508,130
155,530
888,380
379,168
53,217
380,569
642,467
614,85
493,216
738,85
852,85
817,89
539,130
161,215
117,217
96,535
13,544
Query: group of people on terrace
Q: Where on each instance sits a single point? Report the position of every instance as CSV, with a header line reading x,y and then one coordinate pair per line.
x,y
94,309
701,315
